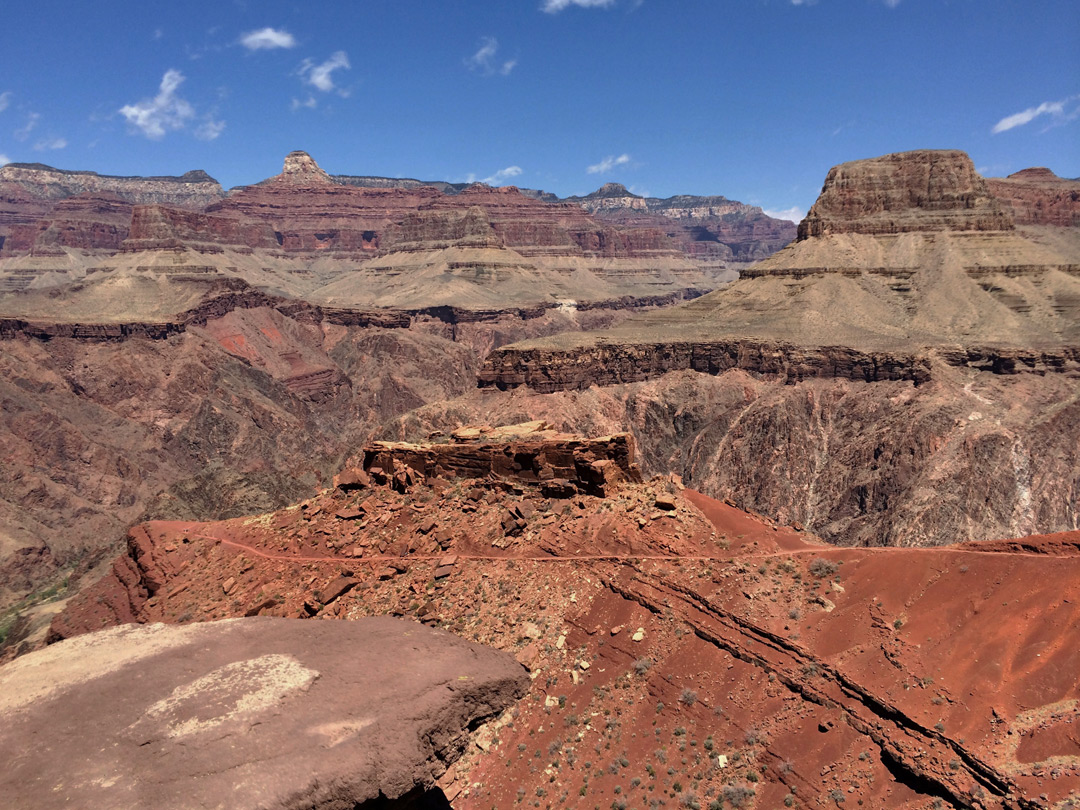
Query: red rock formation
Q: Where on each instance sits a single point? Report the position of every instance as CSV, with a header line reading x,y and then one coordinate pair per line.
x,y
534,455
1039,197
155,227
88,221
761,663
309,212
927,191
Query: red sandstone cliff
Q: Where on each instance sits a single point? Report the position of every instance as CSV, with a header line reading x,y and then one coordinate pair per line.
x,y
924,191
1039,197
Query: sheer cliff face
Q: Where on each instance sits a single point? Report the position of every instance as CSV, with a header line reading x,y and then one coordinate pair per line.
x,y
923,191
1039,197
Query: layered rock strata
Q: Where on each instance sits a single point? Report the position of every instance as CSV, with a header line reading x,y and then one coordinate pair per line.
x,y
924,191
195,189
320,715
702,226
902,258
1039,197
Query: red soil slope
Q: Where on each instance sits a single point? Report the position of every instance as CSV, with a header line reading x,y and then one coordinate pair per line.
x,y
680,650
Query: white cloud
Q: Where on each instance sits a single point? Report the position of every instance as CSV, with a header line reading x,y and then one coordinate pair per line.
x,y
5,100
608,163
50,143
321,76
209,129
22,133
484,61
266,39
555,6
165,111
310,103
1052,108
4,160
497,178
793,214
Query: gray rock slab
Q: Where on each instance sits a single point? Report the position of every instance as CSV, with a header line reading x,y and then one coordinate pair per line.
x,y
243,713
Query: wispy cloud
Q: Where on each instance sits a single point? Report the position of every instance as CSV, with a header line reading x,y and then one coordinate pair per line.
x,y
309,103
23,132
167,111
497,178
794,214
209,129
5,100
484,61
555,6
608,163
266,39
321,76
4,160
50,143
1055,109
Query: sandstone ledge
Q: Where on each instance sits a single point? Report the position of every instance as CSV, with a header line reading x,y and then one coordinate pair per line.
x,y
239,297
548,370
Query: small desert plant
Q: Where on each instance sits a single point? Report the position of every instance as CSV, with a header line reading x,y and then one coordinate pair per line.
x,y
688,697
738,795
821,567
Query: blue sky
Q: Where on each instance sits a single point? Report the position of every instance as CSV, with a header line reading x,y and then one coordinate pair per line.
x,y
753,99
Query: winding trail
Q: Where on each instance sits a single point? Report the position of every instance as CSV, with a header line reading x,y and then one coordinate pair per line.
x,y
386,559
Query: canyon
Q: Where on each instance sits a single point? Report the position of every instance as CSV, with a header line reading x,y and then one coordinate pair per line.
x,y
781,539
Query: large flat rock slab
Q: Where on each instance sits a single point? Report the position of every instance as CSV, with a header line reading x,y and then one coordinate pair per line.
x,y
243,713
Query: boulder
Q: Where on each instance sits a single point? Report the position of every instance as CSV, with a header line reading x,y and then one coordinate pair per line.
x,y
245,713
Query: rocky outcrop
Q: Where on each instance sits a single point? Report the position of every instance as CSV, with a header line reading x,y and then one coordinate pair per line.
x,y
611,364
195,189
706,227
97,221
531,453
924,191
1039,197
156,227
302,714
